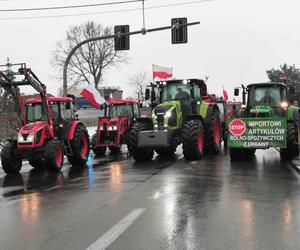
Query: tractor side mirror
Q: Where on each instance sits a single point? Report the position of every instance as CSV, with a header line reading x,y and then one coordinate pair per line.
x,y
147,94
236,92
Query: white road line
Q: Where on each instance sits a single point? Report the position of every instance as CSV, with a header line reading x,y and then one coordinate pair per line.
x,y
10,203
110,236
76,179
53,188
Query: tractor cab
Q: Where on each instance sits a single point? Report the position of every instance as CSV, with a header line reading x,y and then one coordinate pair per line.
x,y
123,108
266,99
62,113
178,99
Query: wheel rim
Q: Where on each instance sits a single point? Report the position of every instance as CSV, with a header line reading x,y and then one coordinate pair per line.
x,y
200,141
217,131
84,146
59,155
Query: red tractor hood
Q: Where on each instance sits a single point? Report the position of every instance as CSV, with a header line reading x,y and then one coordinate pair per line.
x,y
32,127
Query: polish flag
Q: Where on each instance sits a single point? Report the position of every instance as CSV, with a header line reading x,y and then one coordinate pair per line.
x,y
160,72
225,95
93,96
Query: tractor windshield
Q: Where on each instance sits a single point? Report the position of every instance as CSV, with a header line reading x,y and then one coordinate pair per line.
x,y
120,110
265,95
176,91
34,112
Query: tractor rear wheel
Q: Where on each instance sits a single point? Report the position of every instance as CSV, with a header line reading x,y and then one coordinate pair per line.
x,y
10,163
193,140
54,155
213,133
139,154
97,151
288,153
80,146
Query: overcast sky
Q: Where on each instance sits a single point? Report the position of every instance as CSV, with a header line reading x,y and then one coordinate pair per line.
x,y
235,43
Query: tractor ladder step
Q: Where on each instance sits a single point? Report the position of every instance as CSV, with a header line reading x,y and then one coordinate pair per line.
x,y
67,148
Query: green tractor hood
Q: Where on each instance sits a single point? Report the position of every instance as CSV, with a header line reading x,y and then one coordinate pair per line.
x,y
167,115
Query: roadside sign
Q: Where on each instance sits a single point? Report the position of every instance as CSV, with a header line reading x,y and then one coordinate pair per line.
x,y
257,133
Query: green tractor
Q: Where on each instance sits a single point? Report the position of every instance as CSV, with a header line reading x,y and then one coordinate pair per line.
x,y
267,120
180,115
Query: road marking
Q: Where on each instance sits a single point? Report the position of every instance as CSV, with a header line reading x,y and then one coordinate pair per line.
x,y
76,179
110,236
10,202
155,196
53,188
193,162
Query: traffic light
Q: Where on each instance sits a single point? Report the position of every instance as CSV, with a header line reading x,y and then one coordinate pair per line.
x,y
121,42
179,34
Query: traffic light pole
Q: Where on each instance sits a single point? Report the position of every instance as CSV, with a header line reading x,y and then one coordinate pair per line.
x,y
143,31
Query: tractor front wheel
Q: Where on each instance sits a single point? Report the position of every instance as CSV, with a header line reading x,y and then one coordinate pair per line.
x,y
288,153
193,140
80,146
54,155
10,163
213,133
139,154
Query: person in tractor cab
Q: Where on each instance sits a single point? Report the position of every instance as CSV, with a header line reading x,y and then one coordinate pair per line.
x,y
184,99
268,98
182,95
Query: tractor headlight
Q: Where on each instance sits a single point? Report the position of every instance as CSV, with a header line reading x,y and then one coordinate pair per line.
x,y
101,128
284,104
168,114
113,128
26,138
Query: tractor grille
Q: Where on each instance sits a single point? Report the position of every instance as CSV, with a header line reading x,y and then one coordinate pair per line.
x,y
173,119
160,120
112,136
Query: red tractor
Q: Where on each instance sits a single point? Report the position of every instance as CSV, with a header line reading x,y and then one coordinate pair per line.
x,y
113,128
48,127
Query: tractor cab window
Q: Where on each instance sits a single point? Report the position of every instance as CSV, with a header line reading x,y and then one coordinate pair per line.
x,y
118,110
55,110
34,112
176,91
66,110
264,95
197,92
136,111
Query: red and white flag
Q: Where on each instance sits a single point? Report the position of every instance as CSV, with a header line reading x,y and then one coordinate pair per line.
x,y
93,96
225,95
161,73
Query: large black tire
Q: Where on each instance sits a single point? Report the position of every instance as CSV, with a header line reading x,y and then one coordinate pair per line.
x,y
10,163
213,133
54,155
139,154
97,151
193,140
166,151
80,146
288,153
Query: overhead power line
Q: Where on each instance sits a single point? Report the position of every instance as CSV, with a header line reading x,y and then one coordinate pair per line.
x,y
69,6
105,12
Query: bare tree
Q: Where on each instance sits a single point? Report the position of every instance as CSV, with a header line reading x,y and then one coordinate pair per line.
x,y
91,60
139,82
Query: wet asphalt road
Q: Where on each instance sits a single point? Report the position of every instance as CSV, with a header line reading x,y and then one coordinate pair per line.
x,y
163,204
